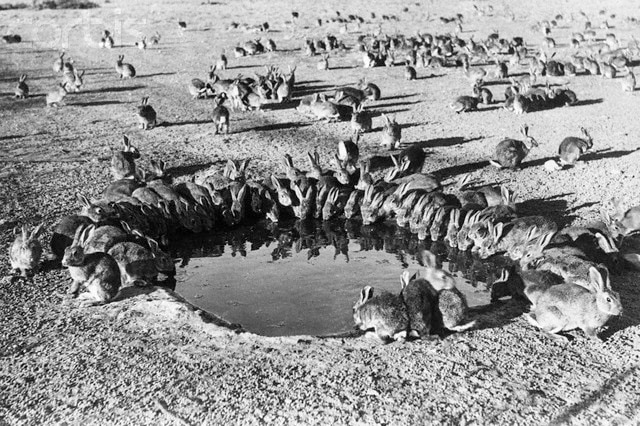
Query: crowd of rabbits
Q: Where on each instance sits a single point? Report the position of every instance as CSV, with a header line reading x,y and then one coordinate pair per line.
x,y
118,239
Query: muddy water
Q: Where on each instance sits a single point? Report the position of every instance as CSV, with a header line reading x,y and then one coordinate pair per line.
x,y
291,279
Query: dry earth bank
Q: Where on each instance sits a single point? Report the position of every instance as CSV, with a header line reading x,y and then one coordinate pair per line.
x,y
119,363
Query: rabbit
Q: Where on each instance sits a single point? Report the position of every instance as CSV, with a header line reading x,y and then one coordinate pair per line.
x,y
102,238
136,263
323,64
415,219
371,212
155,38
439,224
58,64
371,91
26,251
405,207
385,313
451,303
348,151
198,89
572,148
98,272
352,206
628,82
73,80
64,232
334,204
97,211
391,133
409,162
428,216
106,41
511,152
55,98
316,171
361,121
220,115
304,207
146,115
419,297
409,72
283,191
624,223
124,70
319,108
465,104
123,164
483,94
568,306
453,227
520,232
142,44
464,242
22,89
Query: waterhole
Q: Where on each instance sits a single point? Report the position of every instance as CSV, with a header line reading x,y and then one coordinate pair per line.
x,y
303,278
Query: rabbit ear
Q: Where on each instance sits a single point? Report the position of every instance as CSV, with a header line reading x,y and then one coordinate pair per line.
x,y
126,227
153,245
497,231
605,243
406,278
429,259
36,231
544,240
532,233
83,200
276,183
25,232
599,283
366,294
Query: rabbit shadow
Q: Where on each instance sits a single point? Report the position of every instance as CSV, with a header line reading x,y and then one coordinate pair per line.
x,y
95,103
460,169
156,74
491,108
585,102
444,142
276,126
399,96
609,387
606,153
183,123
307,91
115,89
276,106
395,104
178,171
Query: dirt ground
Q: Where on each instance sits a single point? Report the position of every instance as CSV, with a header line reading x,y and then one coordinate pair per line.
x,y
150,358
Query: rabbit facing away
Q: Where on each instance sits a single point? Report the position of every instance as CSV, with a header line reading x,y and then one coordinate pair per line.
x,y
26,251
511,152
55,97
146,115
451,313
22,89
568,306
124,70
123,164
97,272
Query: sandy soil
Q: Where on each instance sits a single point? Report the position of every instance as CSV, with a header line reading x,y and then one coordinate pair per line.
x,y
150,358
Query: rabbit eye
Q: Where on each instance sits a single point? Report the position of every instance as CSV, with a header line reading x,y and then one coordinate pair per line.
x,y
608,299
